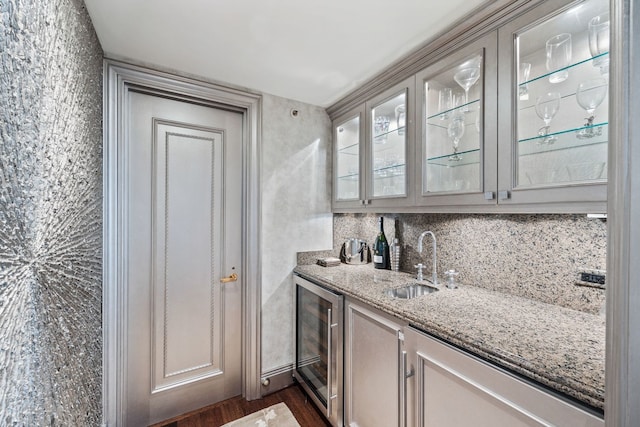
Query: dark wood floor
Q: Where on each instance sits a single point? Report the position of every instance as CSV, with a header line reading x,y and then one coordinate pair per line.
x,y
236,407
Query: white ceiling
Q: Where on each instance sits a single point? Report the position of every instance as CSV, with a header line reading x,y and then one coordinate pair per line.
x,y
311,51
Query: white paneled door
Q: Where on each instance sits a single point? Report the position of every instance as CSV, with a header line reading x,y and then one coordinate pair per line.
x,y
183,254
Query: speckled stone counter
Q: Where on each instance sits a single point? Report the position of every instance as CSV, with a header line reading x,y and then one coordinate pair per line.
x,y
561,348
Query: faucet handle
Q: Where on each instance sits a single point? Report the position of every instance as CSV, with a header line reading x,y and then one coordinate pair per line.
x,y
419,266
451,278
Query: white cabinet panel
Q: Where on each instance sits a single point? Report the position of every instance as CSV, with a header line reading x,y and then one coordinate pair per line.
x,y
372,366
454,389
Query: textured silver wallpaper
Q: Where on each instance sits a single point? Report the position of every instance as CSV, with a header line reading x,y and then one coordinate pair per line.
x,y
50,214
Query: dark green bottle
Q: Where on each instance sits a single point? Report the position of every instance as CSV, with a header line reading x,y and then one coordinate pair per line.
x,y
381,257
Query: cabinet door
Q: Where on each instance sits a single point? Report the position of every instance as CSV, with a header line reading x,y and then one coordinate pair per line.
x,y
457,139
348,160
453,389
372,363
390,146
553,120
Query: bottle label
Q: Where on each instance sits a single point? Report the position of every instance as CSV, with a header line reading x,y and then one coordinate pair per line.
x,y
377,259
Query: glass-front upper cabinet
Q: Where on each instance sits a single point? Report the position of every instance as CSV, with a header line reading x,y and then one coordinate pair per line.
x,y
348,137
456,127
389,144
558,76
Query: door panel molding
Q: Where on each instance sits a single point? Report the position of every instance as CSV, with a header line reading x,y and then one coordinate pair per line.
x,y
201,150
120,79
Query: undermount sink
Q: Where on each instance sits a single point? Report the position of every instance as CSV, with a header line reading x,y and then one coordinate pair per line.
x,y
410,291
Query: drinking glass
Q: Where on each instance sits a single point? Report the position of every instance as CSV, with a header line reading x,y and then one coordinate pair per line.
x,y
466,78
523,75
599,41
558,56
401,118
590,95
445,99
547,106
381,127
455,130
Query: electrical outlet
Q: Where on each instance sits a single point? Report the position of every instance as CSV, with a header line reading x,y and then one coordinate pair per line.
x,y
591,278
598,279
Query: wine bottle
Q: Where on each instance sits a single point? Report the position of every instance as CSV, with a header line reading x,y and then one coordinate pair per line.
x,y
381,249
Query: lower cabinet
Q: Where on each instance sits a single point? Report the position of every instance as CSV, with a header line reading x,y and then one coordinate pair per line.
x,y
374,392
452,388
396,375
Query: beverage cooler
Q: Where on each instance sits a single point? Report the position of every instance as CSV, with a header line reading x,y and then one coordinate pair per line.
x,y
318,361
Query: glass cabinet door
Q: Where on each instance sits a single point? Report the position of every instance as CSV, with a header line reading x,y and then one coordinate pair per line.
x,y
347,145
452,138
389,147
348,159
456,96
562,97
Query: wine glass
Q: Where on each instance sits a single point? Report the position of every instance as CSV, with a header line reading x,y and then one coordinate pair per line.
x,y
590,95
599,41
455,130
466,78
547,106
558,56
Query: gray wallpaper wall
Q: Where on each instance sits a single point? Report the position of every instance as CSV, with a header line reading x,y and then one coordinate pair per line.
x,y
50,214
296,212
534,256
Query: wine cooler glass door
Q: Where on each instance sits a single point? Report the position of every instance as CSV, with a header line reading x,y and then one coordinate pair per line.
x,y
318,365
312,345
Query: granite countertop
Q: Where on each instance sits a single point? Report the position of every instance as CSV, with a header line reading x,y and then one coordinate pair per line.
x,y
561,348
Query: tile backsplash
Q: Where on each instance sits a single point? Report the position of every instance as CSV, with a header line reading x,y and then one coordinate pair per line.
x,y
533,256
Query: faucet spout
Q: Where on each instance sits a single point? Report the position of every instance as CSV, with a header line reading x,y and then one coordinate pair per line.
x,y
434,274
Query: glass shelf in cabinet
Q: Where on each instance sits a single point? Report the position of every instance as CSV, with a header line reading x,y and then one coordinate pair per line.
x,y
568,67
469,157
352,149
349,177
451,110
389,171
566,140
379,136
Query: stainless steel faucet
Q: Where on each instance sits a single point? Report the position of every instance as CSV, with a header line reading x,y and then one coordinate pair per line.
x,y
434,275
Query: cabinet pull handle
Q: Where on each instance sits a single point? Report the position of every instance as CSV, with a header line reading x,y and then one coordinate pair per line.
x,y
503,195
403,389
489,195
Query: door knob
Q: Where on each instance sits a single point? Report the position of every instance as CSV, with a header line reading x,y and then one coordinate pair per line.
x,y
232,278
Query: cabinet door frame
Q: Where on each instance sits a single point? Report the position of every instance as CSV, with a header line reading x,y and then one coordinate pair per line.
x,y
568,198
384,321
501,390
408,199
488,44
359,202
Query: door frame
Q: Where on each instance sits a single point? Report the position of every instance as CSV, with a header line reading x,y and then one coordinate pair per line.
x,y
119,79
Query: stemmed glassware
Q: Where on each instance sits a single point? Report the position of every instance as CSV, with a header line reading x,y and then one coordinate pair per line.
x,y
547,106
466,78
590,95
455,130
599,41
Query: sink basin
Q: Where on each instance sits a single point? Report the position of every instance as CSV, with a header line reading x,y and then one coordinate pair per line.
x,y
410,291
